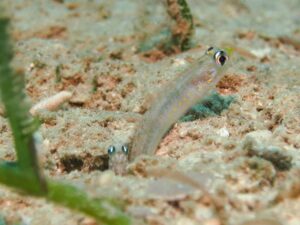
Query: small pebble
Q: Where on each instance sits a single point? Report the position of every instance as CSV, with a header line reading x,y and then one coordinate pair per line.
x,y
223,132
212,222
260,53
255,139
179,62
51,103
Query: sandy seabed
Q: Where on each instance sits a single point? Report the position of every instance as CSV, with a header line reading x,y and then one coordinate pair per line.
x,y
247,158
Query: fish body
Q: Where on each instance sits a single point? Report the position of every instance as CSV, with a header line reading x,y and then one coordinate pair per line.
x,y
175,99
172,101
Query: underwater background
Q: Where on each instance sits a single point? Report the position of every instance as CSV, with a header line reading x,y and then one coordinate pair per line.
x,y
242,143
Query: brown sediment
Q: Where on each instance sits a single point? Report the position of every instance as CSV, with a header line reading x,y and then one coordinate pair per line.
x,y
51,32
153,55
290,41
230,83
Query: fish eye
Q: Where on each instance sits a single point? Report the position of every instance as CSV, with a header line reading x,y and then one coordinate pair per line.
x,y
111,150
220,57
125,149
